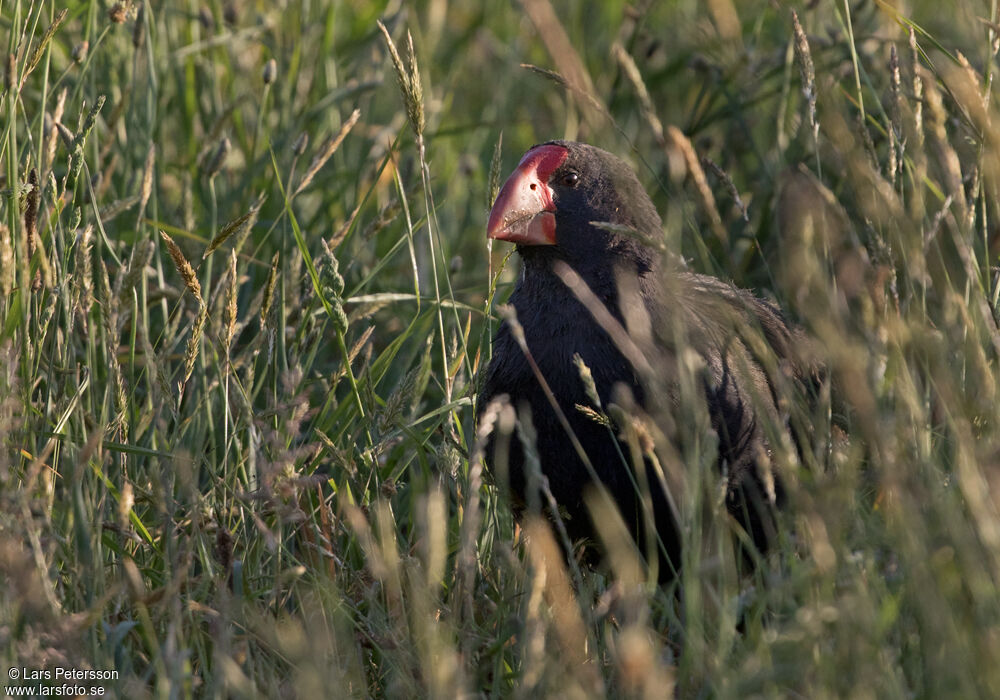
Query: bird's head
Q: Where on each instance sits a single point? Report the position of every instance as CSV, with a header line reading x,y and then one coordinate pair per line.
x,y
549,206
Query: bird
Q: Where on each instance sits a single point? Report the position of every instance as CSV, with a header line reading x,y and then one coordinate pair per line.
x,y
597,294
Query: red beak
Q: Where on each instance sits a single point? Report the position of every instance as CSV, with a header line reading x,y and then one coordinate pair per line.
x,y
524,212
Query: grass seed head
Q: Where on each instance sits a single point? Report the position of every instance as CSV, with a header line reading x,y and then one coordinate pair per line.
x,y
218,159
147,182
327,150
300,144
39,51
239,227
84,275
65,134
231,310
918,91
52,129
79,53
265,307
330,277
142,254
588,379
408,78
121,11
194,344
417,118
31,231
807,71
184,268
270,71
332,283
91,119
80,140
494,187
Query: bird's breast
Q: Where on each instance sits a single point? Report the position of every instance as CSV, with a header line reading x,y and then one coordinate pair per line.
x,y
555,336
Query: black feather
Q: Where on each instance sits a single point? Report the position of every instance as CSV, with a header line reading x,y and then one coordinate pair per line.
x,y
741,340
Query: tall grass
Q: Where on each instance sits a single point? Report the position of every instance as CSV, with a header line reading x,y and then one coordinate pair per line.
x,y
245,297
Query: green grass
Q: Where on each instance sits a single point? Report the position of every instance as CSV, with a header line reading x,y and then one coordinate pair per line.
x,y
286,500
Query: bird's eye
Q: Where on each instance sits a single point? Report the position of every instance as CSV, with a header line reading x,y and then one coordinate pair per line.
x,y
570,179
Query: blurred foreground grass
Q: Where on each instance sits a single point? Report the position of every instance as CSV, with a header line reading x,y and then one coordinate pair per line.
x,y
245,292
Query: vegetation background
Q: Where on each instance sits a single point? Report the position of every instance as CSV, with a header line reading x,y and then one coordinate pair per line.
x,y
245,293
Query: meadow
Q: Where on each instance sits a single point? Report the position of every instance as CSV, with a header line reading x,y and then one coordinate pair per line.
x,y
246,296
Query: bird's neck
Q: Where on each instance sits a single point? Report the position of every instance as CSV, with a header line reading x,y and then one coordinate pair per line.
x,y
602,272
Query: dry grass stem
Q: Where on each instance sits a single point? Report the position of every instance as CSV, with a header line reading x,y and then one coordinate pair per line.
x,y
677,140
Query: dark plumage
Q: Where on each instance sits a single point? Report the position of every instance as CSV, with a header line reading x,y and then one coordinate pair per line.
x,y
547,207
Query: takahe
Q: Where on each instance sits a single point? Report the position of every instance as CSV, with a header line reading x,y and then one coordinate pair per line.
x,y
593,284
